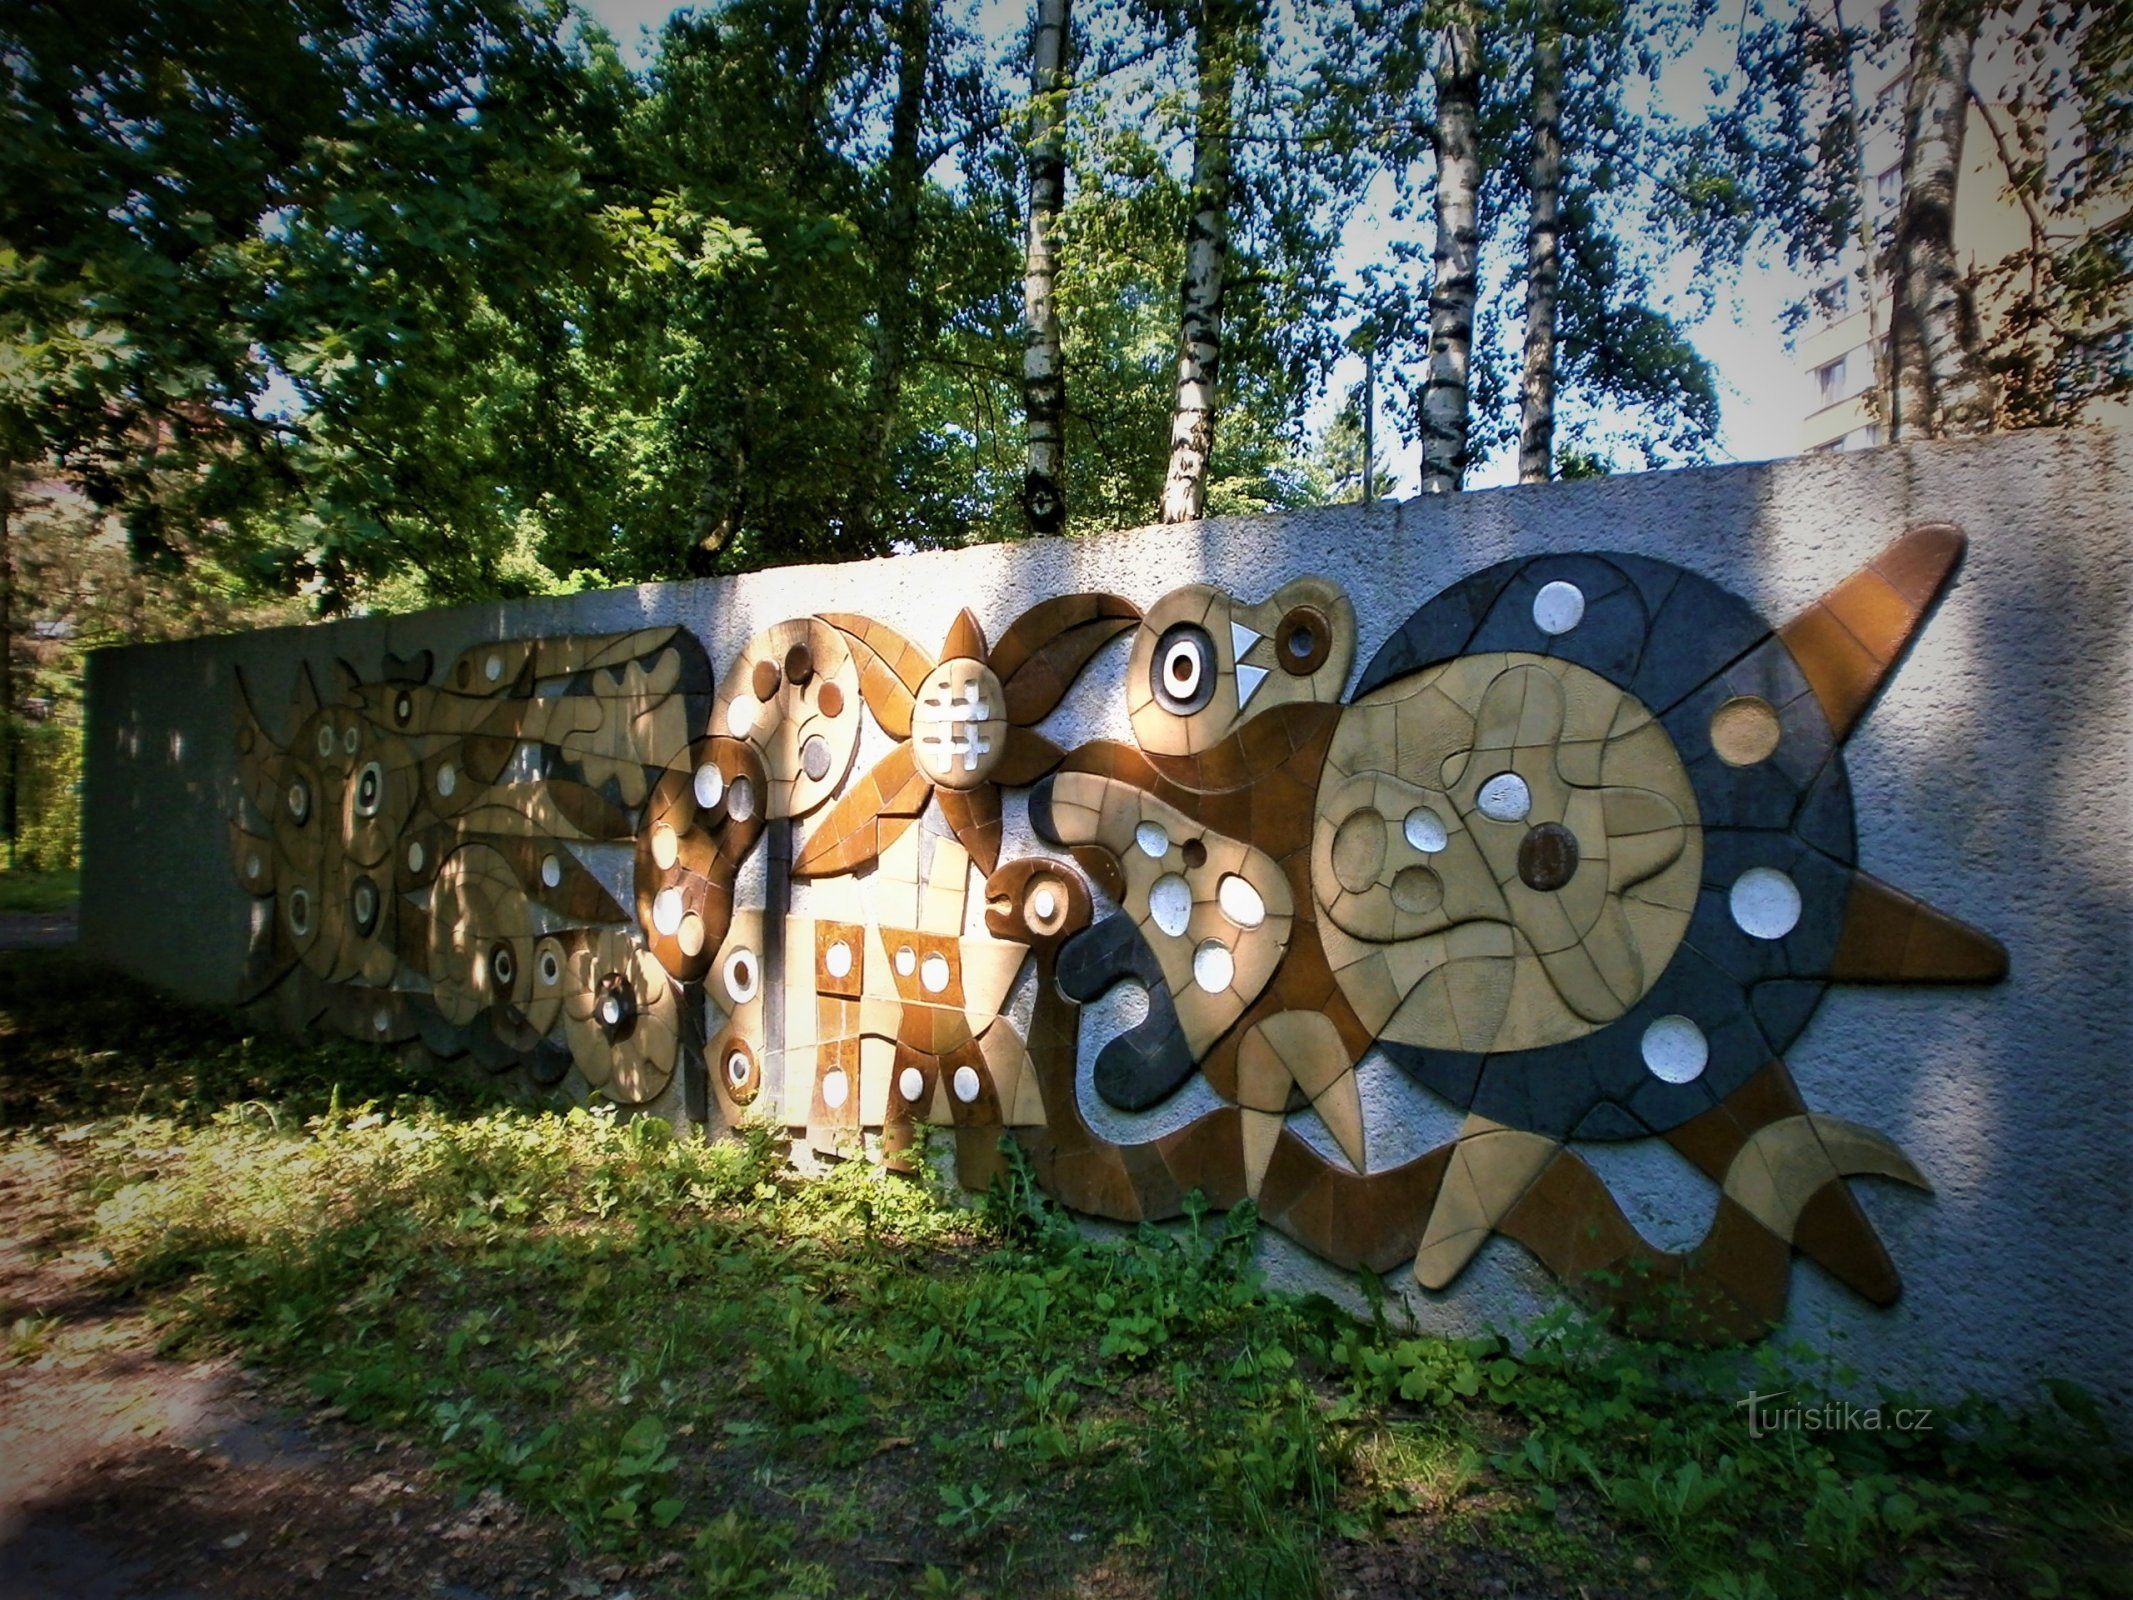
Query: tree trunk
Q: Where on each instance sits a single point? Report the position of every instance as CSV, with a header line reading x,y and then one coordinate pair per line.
x,y
1043,374
1870,265
1451,292
1544,260
1192,420
1940,386
898,253
9,808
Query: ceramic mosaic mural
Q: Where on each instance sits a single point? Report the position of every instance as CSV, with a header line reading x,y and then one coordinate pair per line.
x,y
1575,854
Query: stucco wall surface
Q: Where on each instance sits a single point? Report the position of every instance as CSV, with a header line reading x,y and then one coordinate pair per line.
x,y
1993,778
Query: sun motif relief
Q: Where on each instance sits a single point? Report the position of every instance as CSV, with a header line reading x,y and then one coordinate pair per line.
x,y
1507,851
964,721
1578,859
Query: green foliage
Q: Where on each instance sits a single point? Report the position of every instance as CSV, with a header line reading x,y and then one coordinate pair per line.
x,y
681,1353
48,796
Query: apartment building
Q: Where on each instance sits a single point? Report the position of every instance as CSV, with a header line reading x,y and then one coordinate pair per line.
x,y
1843,349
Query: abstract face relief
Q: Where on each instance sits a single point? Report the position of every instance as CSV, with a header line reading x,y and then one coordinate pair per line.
x,y
792,697
1574,855
1506,853
1204,660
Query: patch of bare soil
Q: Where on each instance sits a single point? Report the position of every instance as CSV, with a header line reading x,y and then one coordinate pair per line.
x,y
127,1476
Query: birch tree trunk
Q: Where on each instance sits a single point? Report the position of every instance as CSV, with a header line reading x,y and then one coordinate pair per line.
x,y
1451,292
1940,385
1544,260
905,174
1043,373
1192,419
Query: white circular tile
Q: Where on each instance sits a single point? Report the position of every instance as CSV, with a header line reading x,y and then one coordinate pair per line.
x,y
552,870
710,786
1765,903
447,780
1170,903
1675,1049
740,800
906,961
1240,902
836,1089
1213,966
933,973
415,856
741,975
666,911
967,1084
838,959
493,668
1045,904
1425,830
1505,798
1153,839
911,1084
740,716
1559,607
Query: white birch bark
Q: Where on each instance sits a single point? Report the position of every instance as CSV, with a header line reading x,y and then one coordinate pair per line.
x,y
1192,419
1452,287
1941,387
1544,260
1043,372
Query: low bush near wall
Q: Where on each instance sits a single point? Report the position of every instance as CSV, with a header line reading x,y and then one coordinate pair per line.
x,y
736,1380
48,796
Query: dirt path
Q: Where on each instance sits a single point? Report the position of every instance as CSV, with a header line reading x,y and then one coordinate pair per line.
x,y
128,1476
38,930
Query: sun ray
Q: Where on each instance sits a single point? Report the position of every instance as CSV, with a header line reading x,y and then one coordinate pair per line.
x,y
1892,937
1849,642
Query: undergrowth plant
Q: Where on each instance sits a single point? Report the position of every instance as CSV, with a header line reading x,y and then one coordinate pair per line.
x,y
852,1383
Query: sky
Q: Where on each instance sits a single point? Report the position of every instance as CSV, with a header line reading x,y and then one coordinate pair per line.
x,y
1763,392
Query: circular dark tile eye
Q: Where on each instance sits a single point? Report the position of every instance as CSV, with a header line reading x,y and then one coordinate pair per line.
x,y
299,801
300,912
370,789
1184,671
615,1007
503,965
403,708
363,906
1304,639
744,1078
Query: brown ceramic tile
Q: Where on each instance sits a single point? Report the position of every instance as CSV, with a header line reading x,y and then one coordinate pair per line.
x,y
1920,562
1889,937
1340,1107
1838,668
974,814
966,638
1835,1234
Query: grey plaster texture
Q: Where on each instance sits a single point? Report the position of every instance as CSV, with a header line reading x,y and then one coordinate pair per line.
x,y
1993,778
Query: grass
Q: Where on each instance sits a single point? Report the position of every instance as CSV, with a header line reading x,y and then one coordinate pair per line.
x,y
23,889
740,1382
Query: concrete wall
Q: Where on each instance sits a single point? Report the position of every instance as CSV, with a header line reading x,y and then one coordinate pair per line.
x,y
1992,779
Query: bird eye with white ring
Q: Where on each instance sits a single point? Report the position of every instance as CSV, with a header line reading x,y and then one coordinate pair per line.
x,y
740,975
370,789
1185,669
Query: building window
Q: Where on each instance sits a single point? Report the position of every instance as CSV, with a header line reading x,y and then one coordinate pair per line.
x,y
1829,380
1835,298
1891,16
1888,188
